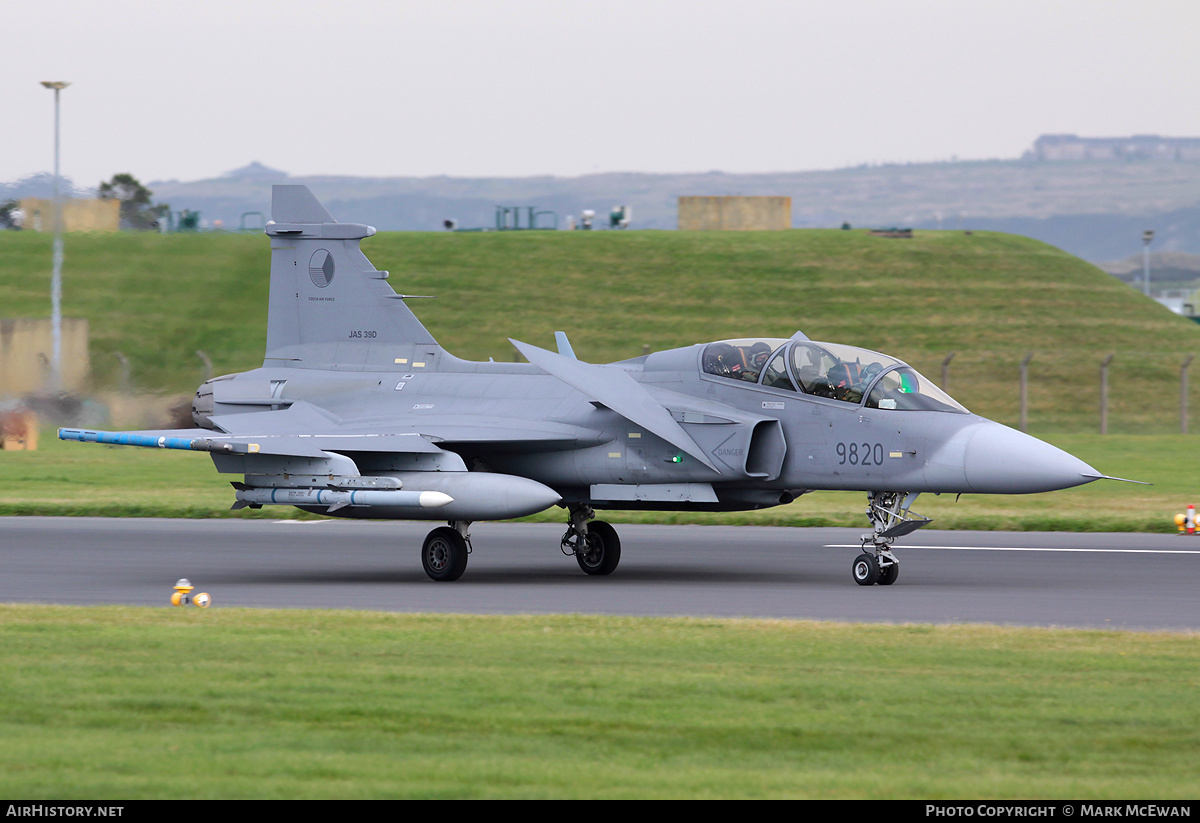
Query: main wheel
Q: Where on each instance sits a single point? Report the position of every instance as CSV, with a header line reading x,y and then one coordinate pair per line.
x,y
603,550
888,574
865,570
444,554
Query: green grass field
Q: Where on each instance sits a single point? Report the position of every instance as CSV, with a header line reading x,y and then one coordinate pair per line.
x,y
128,703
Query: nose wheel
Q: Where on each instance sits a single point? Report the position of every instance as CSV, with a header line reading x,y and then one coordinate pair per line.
x,y
888,574
869,570
865,570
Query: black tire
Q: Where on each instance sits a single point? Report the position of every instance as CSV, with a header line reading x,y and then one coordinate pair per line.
x,y
888,574
444,554
865,570
603,551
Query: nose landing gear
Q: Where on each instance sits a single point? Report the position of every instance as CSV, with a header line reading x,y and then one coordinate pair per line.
x,y
890,518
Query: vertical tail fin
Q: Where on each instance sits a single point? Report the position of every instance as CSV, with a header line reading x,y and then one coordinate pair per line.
x,y
329,308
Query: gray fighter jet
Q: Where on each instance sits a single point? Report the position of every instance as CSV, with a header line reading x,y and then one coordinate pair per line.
x,y
358,412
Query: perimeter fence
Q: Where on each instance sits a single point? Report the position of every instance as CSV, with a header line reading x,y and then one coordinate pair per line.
x,y
1116,391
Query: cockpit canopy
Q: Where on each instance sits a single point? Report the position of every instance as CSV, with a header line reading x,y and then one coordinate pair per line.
x,y
831,370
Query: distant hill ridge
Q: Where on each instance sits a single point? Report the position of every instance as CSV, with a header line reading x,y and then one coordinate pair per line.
x,y
1096,209
1092,197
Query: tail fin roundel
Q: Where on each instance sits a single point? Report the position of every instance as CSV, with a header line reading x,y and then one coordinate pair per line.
x,y
329,307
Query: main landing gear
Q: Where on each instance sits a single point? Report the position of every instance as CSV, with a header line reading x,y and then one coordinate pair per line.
x,y
595,545
890,518
444,554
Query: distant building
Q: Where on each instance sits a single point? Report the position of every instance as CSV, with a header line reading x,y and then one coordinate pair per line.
x,y
734,213
77,214
1068,147
26,348
1180,301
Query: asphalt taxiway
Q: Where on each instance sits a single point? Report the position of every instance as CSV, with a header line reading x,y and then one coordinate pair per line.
x,y
1114,581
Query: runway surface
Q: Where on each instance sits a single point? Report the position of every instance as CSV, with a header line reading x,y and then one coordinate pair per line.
x,y
1114,581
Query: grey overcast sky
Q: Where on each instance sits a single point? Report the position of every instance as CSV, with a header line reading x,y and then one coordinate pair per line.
x,y
191,90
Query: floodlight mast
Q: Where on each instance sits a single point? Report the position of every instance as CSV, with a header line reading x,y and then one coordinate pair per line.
x,y
1147,236
56,277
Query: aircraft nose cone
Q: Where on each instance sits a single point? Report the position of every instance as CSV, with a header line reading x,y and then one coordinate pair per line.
x,y
1000,460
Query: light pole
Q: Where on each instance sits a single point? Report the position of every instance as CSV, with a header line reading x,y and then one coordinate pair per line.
x,y
1147,236
56,278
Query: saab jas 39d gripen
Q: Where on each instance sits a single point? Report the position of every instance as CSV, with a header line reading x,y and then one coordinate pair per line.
x,y
358,412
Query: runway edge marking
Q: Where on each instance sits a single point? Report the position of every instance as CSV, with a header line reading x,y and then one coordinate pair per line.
x,y
1029,549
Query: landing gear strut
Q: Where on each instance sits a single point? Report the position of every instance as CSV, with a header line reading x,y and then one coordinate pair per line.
x,y
595,545
890,518
444,554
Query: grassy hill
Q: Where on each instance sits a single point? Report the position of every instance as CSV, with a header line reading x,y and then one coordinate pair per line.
x,y
991,298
